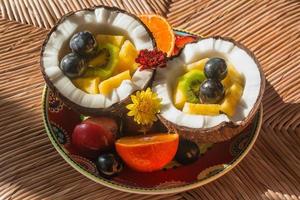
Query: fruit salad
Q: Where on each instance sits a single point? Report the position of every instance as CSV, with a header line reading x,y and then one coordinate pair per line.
x,y
99,63
209,86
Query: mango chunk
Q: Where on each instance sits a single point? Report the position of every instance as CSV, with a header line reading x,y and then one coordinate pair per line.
x,y
233,76
116,40
197,65
127,56
87,84
202,109
179,99
232,98
107,86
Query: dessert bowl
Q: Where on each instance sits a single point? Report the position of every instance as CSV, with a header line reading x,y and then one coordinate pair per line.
x,y
107,118
219,127
98,20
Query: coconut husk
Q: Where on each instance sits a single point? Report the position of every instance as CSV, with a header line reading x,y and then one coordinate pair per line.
x,y
115,109
225,130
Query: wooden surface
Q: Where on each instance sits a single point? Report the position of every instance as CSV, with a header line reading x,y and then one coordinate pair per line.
x,y
30,168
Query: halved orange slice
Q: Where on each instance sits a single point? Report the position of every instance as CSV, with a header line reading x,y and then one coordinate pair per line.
x,y
147,153
162,32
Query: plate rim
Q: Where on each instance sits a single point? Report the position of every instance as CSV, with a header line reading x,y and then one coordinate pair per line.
x,y
132,189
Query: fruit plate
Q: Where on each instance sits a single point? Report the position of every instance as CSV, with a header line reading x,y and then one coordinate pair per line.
x,y
215,160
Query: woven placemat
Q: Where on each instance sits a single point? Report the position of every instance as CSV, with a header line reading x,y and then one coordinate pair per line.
x,y
30,168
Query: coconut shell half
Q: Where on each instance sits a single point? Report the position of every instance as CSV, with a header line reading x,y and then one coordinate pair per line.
x,y
203,128
97,20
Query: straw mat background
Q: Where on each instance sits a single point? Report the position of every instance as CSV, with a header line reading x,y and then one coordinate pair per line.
x,y
30,168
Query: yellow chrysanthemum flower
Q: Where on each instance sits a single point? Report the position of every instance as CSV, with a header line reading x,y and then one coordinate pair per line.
x,y
145,105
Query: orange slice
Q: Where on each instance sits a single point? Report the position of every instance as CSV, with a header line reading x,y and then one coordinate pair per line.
x,y
147,153
162,32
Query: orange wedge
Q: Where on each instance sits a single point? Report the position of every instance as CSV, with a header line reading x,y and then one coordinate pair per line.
x,y
147,153
162,32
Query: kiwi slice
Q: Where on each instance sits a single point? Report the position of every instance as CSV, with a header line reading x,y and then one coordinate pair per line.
x,y
101,60
190,83
104,64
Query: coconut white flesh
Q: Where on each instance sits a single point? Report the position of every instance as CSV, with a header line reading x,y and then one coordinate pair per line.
x,y
166,79
99,21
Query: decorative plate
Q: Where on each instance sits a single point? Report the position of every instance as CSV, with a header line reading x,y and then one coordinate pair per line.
x,y
215,160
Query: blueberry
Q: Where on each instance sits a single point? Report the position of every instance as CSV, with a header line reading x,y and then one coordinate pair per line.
x,y
61,137
211,91
109,164
215,68
83,43
187,152
72,65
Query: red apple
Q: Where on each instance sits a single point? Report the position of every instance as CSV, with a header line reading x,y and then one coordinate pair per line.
x,y
94,135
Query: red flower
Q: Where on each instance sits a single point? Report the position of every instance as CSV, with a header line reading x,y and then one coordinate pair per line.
x,y
151,59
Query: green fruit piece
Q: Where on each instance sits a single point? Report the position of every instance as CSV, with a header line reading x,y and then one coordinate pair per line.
x,y
116,40
188,86
112,58
101,59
